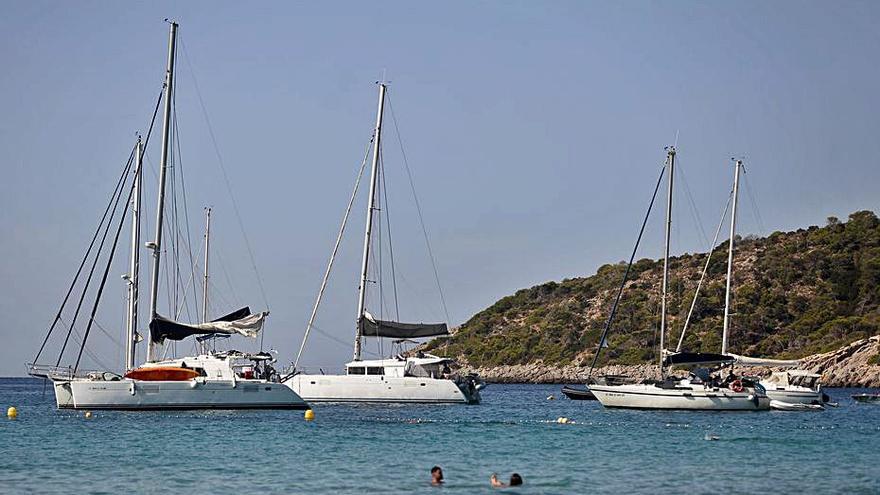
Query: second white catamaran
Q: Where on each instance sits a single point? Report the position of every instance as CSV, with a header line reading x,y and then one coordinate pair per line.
x,y
419,378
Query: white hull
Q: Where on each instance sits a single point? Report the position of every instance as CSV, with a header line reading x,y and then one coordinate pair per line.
x,y
800,395
377,388
643,396
794,406
129,394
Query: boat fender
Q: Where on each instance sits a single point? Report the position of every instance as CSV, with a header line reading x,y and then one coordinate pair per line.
x,y
131,388
737,385
193,383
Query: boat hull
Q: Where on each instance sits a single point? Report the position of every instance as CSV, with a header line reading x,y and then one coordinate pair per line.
x,y
578,394
367,388
646,396
800,396
867,398
193,394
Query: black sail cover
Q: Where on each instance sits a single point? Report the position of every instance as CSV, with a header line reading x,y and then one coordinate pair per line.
x,y
371,327
238,322
697,359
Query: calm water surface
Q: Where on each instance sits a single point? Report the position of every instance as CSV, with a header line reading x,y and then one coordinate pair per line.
x,y
390,449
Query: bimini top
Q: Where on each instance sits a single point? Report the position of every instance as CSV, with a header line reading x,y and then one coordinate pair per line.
x,y
240,322
697,359
371,327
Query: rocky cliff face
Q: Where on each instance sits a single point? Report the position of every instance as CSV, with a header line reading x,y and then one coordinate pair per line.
x,y
804,293
854,365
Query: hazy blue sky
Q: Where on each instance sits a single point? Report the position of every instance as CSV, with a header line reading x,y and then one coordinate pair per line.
x,y
534,130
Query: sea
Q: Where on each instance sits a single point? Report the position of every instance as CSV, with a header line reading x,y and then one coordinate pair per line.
x,y
391,448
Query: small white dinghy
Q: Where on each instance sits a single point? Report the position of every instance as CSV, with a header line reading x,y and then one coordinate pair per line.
x,y
794,406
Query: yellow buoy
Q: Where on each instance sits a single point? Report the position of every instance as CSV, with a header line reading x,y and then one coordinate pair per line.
x,y
309,415
88,414
12,412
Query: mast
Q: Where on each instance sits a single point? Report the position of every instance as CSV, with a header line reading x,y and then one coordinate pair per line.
x,y
207,253
156,245
670,164
738,166
362,288
134,269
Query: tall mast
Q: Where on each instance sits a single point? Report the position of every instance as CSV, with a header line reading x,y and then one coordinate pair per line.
x,y
156,245
738,166
374,175
134,269
207,253
670,165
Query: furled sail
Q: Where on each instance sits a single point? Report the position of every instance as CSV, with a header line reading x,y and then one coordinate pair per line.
x,y
240,322
696,359
371,327
750,361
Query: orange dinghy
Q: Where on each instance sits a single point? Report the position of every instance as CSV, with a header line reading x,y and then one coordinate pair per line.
x,y
162,373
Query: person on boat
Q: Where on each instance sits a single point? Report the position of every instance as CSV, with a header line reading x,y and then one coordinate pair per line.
x,y
515,480
436,476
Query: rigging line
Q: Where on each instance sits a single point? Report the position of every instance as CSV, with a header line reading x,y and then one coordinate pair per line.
x,y
171,227
754,204
118,194
339,341
226,181
85,258
388,223
77,339
625,275
354,191
225,302
418,209
104,278
185,211
703,275
219,257
695,212
378,259
190,284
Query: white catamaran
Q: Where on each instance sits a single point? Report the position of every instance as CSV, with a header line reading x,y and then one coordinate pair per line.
x,y
420,378
214,380
700,390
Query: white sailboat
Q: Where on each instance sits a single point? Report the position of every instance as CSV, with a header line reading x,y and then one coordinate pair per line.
x,y
789,386
420,378
700,390
225,380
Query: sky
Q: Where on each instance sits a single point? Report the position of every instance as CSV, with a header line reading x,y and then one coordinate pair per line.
x,y
534,133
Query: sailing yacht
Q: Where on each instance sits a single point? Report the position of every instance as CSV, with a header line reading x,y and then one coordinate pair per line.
x,y
403,377
210,380
701,390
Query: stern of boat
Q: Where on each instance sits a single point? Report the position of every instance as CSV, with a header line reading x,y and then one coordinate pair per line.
x,y
470,386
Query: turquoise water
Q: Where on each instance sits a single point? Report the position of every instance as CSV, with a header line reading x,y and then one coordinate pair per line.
x,y
390,449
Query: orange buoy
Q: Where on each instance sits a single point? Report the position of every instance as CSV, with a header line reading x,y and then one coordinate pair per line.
x,y
162,373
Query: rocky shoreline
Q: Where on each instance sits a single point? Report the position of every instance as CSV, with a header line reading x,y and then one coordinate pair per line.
x,y
854,365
